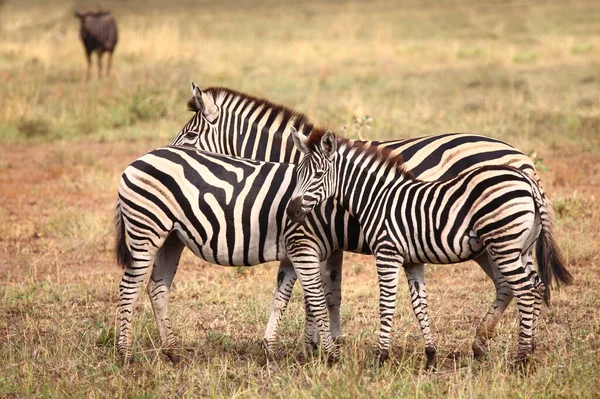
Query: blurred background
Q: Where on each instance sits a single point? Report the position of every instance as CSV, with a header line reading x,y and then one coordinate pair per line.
x,y
525,72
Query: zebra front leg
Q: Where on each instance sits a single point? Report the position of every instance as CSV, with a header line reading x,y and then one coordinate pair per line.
x,y
159,287
129,292
415,274
306,264
389,262
286,277
504,294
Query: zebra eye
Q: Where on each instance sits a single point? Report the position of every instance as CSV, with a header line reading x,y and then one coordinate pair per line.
x,y
191,135
319,174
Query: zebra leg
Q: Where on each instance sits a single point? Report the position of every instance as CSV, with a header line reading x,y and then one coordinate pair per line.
x,y
504,294
389,262
306,264
129,291
159,287
286,277
311,331
332,284
523,290
416,282
539,291
331,274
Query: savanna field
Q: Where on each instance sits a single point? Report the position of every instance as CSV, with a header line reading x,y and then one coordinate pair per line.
x,y
524,72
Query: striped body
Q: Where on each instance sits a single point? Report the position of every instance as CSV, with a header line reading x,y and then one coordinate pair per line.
x,y
226,210
98,33
492,212
234,123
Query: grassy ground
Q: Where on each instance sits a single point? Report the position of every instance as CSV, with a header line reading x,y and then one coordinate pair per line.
x,y
529,74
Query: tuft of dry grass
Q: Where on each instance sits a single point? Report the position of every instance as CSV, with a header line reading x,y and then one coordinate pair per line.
x,y
524,73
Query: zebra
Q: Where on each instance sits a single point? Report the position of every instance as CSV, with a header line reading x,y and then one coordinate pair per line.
x,y
229,122
493,212
227,210
98,33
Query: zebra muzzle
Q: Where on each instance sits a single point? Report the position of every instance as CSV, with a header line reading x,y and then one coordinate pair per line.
x,y
295,210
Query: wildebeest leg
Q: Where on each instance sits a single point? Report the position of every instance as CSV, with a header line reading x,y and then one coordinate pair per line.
x,y
109,63
100,53
88,56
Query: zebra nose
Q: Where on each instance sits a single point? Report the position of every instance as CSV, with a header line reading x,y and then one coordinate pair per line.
x,y
294,210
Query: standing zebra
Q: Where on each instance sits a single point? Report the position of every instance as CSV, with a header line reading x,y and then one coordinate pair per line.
x,y
497,212
215,205
229,122
98,33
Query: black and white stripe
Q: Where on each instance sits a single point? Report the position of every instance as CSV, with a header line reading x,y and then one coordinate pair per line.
x,y
493,214
228,211
229,122
98,33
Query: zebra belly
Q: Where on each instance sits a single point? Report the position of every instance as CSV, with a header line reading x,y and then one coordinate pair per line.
x,y
466,246
226,244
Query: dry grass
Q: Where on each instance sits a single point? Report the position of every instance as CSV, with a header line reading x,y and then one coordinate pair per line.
x,y
524,73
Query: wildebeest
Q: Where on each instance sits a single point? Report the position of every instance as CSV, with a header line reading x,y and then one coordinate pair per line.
x,y
98,33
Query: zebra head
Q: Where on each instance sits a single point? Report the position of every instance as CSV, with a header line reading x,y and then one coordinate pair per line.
x,y
315,174
205,118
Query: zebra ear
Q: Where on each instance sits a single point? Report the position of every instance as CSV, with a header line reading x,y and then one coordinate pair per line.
x,y
299,140
196,103
329,144
211,111
203,102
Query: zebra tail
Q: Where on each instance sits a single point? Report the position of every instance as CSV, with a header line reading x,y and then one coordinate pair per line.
x,y
124,258
551,263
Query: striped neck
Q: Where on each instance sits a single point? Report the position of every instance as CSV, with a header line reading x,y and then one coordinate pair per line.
x,y
250,127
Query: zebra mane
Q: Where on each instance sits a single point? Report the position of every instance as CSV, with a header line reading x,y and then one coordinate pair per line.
x,y
221,93
383,154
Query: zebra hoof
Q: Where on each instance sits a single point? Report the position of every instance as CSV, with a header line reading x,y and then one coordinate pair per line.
x,y
431,361
480,350
176,358
522,364
333,359
381,357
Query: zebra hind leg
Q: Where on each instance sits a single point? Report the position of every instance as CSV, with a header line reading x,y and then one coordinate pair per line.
x,y
129,292
286,277
510,265
539,292
159,287
332,285
504,294
306,265
416,283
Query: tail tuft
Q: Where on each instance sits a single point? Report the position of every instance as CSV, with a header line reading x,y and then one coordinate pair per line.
x,y
124,258
551,263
